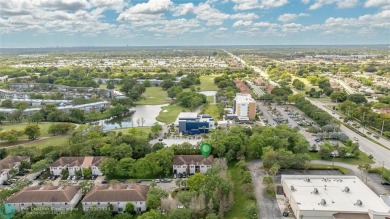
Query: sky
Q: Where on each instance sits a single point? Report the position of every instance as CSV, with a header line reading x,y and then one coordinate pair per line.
x,y
70,23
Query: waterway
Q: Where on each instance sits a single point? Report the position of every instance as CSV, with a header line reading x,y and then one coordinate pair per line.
x,y
144,115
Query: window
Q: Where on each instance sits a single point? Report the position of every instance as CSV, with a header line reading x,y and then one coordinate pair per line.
x,y
66,203
184,166
98,203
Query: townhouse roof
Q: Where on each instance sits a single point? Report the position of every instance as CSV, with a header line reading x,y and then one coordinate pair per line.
x,y
192,160
9,161
78,161
117,193
39,194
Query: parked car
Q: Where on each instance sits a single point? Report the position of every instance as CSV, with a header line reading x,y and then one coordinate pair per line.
x,y
105,181
7,183
184,175
385,183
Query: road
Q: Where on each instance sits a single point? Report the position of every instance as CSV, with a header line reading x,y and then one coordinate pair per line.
x,y
381,155
267,207
347,88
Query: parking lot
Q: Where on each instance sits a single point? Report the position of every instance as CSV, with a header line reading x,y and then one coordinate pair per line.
x,y
274,115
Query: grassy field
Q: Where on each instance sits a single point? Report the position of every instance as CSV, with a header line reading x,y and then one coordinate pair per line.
x,y
154,96
20,127
55,141
212,110
210,99
328,167
207,82
363,159
240,202
168,114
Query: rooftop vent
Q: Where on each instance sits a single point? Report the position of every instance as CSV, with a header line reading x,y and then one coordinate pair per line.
x,y
307,179
315,191
359,202
323,202
292,188
346,189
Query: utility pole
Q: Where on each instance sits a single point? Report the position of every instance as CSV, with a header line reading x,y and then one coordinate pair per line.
x,y
364,114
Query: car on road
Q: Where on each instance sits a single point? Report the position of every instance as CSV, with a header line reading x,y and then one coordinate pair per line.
x,y
105,181
385,183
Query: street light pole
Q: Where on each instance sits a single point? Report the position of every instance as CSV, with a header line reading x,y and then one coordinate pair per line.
x,y
383,124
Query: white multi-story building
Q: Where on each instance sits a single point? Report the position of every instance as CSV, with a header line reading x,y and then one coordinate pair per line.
x,y
332,197
191,164
74,164
8,163
117,196
57,198
244,107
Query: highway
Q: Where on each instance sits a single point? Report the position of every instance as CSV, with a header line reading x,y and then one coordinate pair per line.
x,y
381,155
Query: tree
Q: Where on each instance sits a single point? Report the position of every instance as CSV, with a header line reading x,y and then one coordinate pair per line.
x,y
298,84
7,103
130,208
179,214
32,131
11,136
251,211
338,96
357,98
152,214
21,105
36,117
40,165
325,150
154,197
156,128
87,173
85,186
196,181
3,153
77,115
3,117
64,173
97,213
109,166
110,86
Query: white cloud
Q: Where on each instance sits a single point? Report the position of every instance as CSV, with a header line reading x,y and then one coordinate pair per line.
x,y
258,4
244,16
150,7
305,1
385,4
210,15
290,17
183,9
291,27
242,23
340,3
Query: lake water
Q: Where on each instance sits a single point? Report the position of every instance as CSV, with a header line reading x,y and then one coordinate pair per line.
x,y
147,112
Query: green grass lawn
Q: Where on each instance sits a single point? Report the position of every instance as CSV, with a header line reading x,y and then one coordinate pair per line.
x,y
207,82
212,110
154,96
168,114
20,127
363,159
240,202
57,141
328,167
210,99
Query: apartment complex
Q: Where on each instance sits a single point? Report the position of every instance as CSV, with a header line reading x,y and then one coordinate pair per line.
x,y
117,196
56,198
8,163
244,107
191,164
73,164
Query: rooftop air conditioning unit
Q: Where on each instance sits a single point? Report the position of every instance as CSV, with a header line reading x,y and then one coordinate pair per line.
x,y
292,188
307,179
315,191
346,189
323,202
359,202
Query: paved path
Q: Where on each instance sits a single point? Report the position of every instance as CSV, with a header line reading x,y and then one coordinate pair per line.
x,y
268,207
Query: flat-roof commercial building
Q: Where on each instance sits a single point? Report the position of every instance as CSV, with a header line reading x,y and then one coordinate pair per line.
x,y
244,106
192,124
332,197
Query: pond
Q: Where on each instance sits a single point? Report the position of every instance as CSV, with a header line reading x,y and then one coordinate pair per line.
x,y
144,115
